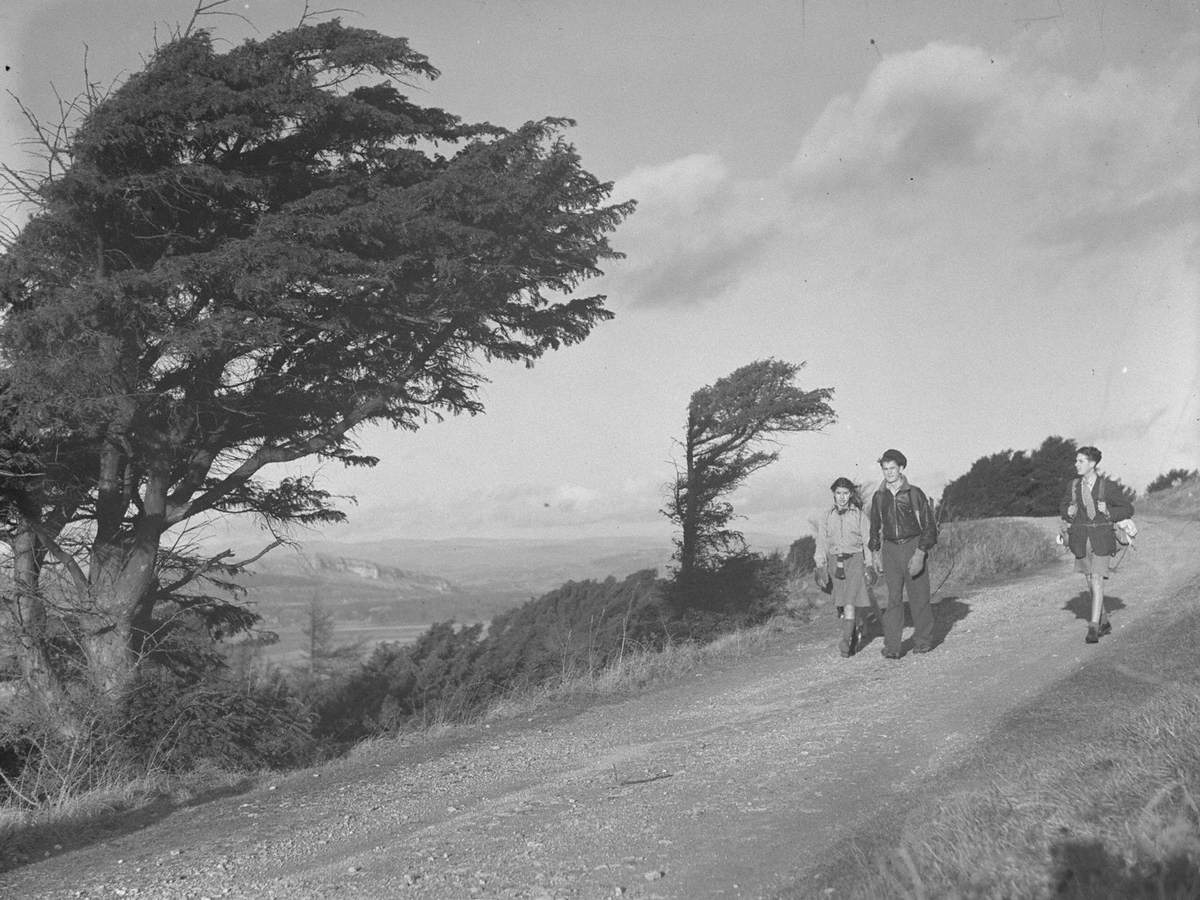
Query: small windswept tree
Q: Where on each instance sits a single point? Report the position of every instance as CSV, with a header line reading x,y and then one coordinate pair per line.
x,y
731,425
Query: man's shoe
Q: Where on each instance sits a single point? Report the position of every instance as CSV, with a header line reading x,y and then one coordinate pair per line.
x,y
921,649
1093,635
888,654
1105,628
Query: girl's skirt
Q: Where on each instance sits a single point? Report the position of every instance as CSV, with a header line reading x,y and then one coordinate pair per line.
x,y
851,590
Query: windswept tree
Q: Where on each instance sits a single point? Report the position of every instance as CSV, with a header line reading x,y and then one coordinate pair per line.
x,y
731,426
238,260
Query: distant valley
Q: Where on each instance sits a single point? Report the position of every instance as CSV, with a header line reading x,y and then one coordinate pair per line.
x,y
393,589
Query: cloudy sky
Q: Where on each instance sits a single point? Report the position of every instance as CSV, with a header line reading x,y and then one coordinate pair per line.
x,y
979,222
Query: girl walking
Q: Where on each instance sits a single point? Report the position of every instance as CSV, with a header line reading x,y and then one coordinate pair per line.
x,y
842,558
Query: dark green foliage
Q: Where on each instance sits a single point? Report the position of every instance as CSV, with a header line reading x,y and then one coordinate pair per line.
x,y
744,590
1171,479
176,725
801,555
1015,483
54,749
453,671
580,626
437,675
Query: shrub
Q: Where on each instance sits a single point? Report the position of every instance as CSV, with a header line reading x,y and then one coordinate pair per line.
x,y
1015,483
57,748
1173,478
452,672
801,555
741,591
238,725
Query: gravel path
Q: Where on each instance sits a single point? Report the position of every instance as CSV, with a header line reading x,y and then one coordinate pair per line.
x,y
730,783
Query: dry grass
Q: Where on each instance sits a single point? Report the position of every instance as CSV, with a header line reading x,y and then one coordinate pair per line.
x,y
988,549
1098,798
27,833
639,668
1115,816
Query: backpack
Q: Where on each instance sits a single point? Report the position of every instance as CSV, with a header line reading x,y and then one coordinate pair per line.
x,y
1124,531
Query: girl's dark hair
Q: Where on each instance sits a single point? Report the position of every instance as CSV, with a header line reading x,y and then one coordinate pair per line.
x,y
1090,452
844,482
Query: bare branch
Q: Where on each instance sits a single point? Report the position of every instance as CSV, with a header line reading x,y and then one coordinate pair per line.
x,y
209,8
310,14
56,550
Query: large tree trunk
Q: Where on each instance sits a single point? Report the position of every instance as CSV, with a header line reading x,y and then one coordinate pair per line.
x,y
122,582
28,610
113,625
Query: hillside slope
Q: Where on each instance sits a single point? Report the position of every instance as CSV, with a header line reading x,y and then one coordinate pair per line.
x,y
734,782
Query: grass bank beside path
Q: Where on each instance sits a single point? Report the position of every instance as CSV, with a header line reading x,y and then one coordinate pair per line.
x,y
1089,791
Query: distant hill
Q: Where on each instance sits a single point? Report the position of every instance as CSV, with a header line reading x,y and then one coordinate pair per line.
x,y
506,565
360,590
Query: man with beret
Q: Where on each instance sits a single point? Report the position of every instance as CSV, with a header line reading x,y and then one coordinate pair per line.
x,y
903,531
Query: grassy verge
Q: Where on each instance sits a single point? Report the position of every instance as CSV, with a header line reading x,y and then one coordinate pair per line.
x,y
111,809
1099,795
989,549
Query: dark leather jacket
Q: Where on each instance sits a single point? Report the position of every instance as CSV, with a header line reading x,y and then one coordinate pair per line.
x,y
906,514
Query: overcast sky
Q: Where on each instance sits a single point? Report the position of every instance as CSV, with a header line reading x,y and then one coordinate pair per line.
x,y
978,221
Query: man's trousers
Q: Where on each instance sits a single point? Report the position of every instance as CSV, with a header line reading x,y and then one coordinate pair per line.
x,y
899,582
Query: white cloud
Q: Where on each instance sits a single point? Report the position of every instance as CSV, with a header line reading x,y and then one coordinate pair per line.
x,y
696,232
947,145
918,110
1086,159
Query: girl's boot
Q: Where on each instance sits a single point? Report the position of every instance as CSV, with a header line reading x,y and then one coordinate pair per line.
x,y
849,635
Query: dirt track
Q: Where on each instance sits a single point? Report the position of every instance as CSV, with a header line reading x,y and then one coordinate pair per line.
x,y
733,783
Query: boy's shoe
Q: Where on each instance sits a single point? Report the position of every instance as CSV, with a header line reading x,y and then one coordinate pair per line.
x,y
1093,635
887,654
1105,628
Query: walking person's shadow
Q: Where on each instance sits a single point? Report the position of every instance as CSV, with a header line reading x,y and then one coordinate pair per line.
x,y
1081,605
947,612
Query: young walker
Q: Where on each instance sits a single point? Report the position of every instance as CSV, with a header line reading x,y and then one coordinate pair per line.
x,y
1092,506
842,558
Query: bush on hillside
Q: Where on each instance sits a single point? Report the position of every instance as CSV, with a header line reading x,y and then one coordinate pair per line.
x,y
579,626
439,670
451,672
231,724
1015,483
801,556
1171,479
741,591
57,748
